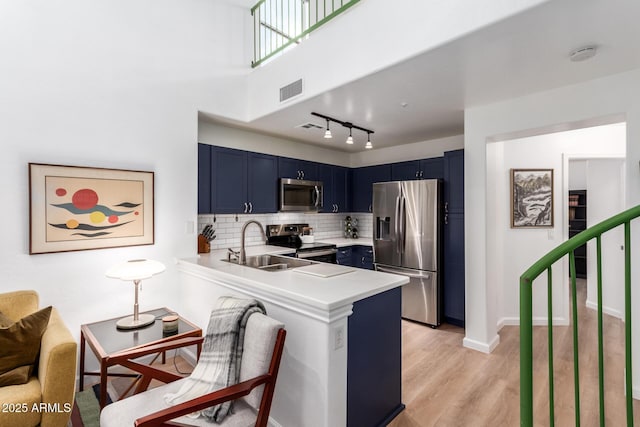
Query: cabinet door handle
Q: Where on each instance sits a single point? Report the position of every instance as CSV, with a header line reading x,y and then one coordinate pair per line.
x,y
246,207
421,174
369,208
446,219
250,207
302,174
446,207
417,173
298,174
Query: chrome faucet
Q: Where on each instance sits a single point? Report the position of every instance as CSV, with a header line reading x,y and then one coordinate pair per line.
x,y
243,255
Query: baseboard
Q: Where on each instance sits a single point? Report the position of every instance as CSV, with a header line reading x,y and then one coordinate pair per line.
x,y
188,355
606,310
537,321
481,346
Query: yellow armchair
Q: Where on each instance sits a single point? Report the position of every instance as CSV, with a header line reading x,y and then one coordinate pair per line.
x,y
47,398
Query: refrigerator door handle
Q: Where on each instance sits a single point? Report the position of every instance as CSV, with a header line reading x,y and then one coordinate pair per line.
x,y
404,272
396,227
402,223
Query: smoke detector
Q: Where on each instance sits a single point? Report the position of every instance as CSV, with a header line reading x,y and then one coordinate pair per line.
x,y
583,53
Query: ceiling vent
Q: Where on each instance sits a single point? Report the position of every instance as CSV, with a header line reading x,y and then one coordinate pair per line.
x,y
291,90
310,126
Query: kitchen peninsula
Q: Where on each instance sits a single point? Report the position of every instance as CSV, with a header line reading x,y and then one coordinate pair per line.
x,y
342,360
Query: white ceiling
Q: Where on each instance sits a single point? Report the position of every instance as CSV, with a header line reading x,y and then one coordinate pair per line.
x,y
525,54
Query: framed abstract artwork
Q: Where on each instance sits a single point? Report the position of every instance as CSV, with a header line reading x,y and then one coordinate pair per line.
x,y
73,208
531,198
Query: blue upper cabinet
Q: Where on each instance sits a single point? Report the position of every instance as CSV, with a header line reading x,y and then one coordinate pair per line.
x,y
262,183
336,195
363,179
454,181
432,168
297,169
418,169
240,181
204,179
228,180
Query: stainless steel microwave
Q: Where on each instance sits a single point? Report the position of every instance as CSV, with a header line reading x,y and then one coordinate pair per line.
x,y
299,195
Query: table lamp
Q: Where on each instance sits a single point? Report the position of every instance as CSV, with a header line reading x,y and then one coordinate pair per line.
x,y
135,270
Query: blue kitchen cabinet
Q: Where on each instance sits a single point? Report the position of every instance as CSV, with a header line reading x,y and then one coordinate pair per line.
x,y
453,246
204,179
432,168
454,181
228,180
363,257
344,256
297,169
418,169
262,183
363,179
242,181
335,188
374,360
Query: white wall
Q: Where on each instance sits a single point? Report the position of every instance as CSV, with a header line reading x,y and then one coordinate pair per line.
x,y
548,152
575,105
113,84
577,174
226,136
417,150
404,35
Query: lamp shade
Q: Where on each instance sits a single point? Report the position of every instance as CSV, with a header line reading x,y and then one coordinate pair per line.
x,y
135,269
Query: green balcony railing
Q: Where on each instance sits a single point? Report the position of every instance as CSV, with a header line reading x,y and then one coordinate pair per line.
x,y
526,319
281,24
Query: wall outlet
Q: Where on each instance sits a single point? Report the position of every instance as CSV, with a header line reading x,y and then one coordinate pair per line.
x,y
338,337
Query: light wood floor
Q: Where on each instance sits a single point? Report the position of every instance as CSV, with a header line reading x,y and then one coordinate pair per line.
x,y
445,384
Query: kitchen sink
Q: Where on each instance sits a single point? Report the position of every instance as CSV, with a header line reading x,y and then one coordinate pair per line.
x,y
273,262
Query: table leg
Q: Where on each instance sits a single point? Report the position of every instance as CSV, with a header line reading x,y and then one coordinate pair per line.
x,y
82,349
103,384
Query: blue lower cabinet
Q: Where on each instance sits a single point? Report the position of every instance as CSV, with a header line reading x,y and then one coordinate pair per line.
x,y
374,361
344,256
363,257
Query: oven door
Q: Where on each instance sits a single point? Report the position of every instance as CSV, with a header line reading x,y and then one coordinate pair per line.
x,y
323,255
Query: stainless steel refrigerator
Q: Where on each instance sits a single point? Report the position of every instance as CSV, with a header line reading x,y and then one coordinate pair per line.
x,y
406,241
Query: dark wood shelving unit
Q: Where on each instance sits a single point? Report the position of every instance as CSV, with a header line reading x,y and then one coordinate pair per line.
x,y
578,223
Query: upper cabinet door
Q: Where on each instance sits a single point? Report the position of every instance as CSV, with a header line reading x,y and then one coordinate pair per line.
x,y
297,169
432,168
262,183
403,171
325,175
341,194
204,179
363,179
454,180
228,180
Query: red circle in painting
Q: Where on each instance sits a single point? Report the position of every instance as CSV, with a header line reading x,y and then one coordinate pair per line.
x,y
136,213
61,192
85,198
113,219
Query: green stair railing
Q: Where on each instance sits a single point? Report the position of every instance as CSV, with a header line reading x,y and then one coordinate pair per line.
x,y
279,24
526,319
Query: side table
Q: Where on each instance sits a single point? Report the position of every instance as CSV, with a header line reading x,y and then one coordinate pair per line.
x,y
113,346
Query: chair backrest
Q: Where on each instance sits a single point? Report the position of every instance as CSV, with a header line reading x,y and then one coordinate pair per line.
x,y
259,341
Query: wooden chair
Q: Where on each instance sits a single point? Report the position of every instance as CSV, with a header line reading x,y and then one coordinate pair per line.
x,y
263,348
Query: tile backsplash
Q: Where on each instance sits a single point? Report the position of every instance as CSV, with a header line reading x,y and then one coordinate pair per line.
x,y
325,225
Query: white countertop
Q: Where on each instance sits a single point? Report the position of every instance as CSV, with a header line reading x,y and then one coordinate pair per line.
x,y
319,293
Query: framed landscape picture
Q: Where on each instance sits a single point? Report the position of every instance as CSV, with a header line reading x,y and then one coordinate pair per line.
x,y
531,198
74,208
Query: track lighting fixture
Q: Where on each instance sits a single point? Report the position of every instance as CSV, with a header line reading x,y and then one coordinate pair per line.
x,y
368,144
351,126
327,133
349,138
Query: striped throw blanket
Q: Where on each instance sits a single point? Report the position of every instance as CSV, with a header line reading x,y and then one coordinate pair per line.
x,y
219,363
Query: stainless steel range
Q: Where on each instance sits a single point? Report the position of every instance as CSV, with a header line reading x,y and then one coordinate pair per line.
x,y
288,235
